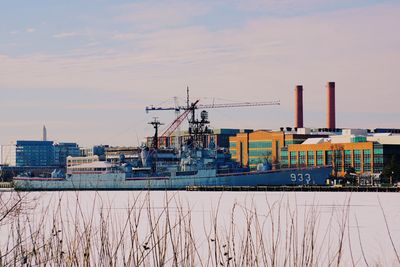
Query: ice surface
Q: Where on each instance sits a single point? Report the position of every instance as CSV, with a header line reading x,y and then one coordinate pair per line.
x,y
231,217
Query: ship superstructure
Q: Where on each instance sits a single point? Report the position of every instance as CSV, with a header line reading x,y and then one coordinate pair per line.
x,y
198,163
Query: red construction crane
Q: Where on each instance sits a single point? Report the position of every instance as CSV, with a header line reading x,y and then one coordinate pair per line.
x,y
190,108
178,121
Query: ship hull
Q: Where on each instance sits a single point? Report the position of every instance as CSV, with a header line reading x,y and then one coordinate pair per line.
x,y
120,181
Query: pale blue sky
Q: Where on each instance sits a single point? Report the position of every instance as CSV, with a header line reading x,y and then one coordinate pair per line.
x,y
87,69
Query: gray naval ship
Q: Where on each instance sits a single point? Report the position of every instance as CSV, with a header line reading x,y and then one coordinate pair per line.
x,y
198,165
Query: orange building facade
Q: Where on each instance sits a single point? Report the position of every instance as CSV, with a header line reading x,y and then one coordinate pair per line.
x,y
364,157
251,149
286,150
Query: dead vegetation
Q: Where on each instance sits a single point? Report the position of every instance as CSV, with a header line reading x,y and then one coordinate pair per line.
x,y
77,233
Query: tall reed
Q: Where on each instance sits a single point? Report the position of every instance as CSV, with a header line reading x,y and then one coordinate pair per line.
x,y
145,232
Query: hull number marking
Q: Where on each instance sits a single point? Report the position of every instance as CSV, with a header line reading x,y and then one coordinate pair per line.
x,y
300,177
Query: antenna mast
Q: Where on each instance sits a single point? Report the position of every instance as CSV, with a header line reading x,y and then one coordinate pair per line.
x,y
198,127
156,124
187,97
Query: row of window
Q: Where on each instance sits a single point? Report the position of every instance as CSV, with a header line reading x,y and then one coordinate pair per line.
x,y
341,161
260,144
320,153
260,153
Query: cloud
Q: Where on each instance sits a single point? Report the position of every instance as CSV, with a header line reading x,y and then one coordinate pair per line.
x,y
125,36
65,35
98,103
300,7
262,59
30,30
150,15
270,52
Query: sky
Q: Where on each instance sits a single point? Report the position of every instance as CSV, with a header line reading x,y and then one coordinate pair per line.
x,y
87,69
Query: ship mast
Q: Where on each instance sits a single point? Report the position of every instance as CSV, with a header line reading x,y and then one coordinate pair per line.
x,y
198,127
156,124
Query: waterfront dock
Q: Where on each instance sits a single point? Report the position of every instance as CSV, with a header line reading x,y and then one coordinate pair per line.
x,y
295,188
6,186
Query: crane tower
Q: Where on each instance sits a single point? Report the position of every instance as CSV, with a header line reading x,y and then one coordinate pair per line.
x,y
198,127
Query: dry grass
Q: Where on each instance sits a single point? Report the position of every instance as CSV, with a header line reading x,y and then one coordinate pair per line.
x,y
73,233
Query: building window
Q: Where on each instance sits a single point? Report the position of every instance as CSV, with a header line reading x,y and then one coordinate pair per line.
x,y
378,159
338,160
260,153
284,159
347,160
293,158
357,160
302,158
260,144
328,157
378,163
320,158
310,158
367,160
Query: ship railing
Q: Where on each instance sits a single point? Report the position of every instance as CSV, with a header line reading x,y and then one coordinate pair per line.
x,y
91,172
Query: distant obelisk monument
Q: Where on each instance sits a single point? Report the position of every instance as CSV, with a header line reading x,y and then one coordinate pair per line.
x,y
44,133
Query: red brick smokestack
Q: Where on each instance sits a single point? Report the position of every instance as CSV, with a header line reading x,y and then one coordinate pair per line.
x,y
331,120
299,106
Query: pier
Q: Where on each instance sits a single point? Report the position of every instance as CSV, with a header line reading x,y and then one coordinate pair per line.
x,y
6,186
295,188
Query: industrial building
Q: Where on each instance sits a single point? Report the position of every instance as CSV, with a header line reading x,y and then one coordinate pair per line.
x,y
343,153
365,151
250,149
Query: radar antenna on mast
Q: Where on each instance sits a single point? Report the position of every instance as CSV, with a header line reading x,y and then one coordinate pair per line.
x,y
197,127
156,124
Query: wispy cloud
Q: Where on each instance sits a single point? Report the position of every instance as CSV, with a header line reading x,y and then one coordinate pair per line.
x,y
283,52
302,7
262,58
30,30
150,15
65,35
126,36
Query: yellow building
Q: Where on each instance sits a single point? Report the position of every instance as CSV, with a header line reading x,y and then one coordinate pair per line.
x,y
353,148
253,148
364,157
